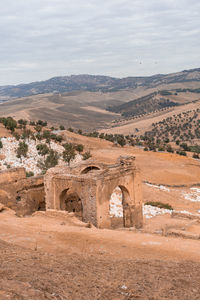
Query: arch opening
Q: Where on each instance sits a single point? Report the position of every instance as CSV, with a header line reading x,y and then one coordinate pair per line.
x,y
71,202
90,169
118,206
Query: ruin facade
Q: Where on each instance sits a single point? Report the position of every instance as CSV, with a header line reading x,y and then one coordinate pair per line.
x,y
86,190
22,194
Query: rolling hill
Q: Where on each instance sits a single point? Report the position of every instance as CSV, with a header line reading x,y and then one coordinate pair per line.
x,y
94,102
97,83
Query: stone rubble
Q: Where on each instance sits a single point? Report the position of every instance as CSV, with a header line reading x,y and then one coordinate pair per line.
x,y
150,211
193,196
160,187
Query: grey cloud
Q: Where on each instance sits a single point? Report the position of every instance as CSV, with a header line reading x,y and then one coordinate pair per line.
x,y
45,38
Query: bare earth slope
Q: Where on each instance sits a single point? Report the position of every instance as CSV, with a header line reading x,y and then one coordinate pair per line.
x,y
55,261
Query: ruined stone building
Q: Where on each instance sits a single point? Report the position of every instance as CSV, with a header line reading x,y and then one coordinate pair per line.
x,y
86,190
22,194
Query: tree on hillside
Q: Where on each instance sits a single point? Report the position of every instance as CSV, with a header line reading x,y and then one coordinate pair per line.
x,y
79,148
9,123
26,134
38,128
50,161
16,136
42,149
22,150
62,127
22,122
69,154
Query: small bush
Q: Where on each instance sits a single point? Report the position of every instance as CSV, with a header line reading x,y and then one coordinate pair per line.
x,y
22,150
29,174
86,155
169,149
183,153
159,205
161,149
79,148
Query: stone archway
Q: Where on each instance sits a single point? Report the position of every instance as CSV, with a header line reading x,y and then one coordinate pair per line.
x,y
89,170
119,207
87,188
71,202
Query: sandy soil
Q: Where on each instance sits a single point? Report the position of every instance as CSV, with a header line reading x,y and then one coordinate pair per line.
x,y
4,132
52,260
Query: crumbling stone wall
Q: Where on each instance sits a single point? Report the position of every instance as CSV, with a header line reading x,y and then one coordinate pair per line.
x,y
24,195
94,183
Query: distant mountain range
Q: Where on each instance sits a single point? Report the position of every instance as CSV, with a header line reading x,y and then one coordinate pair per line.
x,y
95,83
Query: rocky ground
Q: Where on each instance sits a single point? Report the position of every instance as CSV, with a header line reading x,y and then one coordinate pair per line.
x,y
10,160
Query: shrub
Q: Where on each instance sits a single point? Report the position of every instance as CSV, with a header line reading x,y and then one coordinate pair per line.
x,y
159,205
195,155
161,149
69,154
42,149
22,150
146,149
121,140
70,129
16,136
22,122
86,155
185,147
50,161
42,123
79,148
29,174
59,138
169,149
9,123
183,153
62,127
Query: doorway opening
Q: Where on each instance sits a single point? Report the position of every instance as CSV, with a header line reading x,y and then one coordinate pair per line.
x,y
71,202
118,206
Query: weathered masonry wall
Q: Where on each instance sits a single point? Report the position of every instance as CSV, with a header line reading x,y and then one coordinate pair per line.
x,y
93,184
24,195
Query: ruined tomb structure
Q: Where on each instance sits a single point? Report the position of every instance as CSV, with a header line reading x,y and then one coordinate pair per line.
x,y
86,190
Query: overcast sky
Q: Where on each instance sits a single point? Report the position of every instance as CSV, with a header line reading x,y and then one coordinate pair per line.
x,y
40,39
